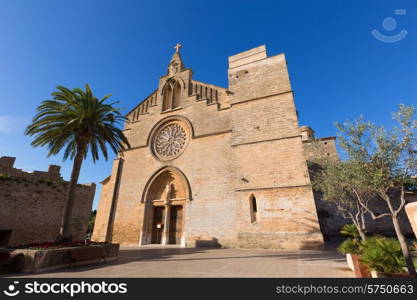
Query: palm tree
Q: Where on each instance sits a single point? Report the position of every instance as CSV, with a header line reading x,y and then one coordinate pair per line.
x,y
75,120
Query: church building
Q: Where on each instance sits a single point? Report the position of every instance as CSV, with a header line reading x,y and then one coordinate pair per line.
x,y
214,166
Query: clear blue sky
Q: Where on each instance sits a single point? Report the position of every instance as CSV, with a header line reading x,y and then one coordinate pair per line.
x,y
339,70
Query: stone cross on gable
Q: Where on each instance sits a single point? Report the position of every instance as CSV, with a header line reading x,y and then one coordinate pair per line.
x,y
177,47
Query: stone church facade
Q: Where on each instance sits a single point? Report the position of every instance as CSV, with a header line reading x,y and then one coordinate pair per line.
x,y
214,166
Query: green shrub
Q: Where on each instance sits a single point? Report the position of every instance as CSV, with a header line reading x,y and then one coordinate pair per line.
x,y
351,246
350,230
48,182
383,255
4,177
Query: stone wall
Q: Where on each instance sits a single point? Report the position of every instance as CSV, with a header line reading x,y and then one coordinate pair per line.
x,y
411,210
31,204
322,147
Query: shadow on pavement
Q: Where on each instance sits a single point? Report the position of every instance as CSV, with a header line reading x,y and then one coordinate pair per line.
x,y
143,254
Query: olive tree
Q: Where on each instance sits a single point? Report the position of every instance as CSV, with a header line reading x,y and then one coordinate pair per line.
x,y
338,184
385,162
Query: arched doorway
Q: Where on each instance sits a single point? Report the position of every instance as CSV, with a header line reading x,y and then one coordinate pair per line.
x,y
165,198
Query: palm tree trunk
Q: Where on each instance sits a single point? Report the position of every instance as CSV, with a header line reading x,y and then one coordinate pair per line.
x,y
65,230
404,247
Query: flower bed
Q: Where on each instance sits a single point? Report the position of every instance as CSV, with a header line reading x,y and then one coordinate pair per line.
x,y
49,256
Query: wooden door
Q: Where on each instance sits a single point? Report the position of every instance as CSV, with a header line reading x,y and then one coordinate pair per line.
x,y
157,224
175,225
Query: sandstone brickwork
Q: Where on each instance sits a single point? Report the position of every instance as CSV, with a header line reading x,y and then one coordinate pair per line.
x,y
411,209
31,205
234,174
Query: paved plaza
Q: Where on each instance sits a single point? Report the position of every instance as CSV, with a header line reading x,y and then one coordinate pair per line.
x,y
186,262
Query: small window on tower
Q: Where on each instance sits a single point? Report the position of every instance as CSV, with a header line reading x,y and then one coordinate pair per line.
x,y
253,209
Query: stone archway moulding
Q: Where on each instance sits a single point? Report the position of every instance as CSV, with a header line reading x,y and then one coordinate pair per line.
x,y
159,172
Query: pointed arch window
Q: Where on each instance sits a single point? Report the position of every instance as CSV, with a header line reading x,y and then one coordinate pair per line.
x,y
176,96
253,209
166,105
172,96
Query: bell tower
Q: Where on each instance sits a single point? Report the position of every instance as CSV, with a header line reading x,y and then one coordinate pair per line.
x,y
269,159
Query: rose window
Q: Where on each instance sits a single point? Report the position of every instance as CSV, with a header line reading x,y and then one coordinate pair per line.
x,y
170,141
